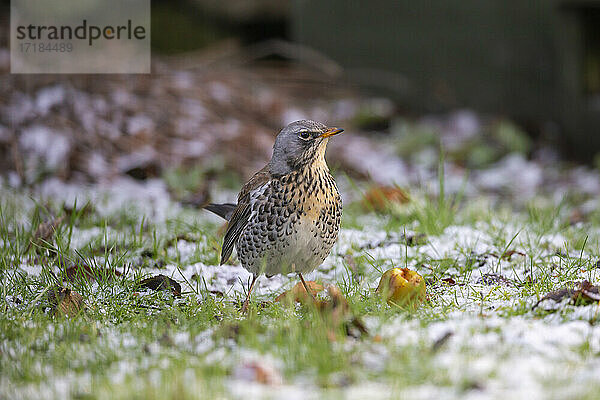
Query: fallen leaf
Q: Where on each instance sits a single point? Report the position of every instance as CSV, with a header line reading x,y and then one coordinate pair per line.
x,y
64,301
589,292
449,281
257,371
337,305
494,279
556,295
379,198
336,311
162,282
86,272
298,293
507,255
441,341
144,171
576,217
585,293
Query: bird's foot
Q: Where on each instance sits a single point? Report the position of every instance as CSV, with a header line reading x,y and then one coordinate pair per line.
x,y
314,299
250,287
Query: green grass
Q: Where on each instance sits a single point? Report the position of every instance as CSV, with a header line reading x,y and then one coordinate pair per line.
x,y
130,343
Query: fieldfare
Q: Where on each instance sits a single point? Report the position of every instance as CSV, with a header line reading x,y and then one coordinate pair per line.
x,y
288,215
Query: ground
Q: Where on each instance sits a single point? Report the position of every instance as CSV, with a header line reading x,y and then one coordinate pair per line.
x,y
101,186
488,246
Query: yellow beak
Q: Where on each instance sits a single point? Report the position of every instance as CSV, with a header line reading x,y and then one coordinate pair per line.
x,y
331,132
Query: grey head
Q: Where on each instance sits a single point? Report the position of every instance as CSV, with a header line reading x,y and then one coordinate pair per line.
x,y
299,144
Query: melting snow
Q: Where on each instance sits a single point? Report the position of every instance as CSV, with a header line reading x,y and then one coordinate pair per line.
x,y
499,356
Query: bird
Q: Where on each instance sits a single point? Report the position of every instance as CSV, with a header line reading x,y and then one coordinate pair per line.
x,y
287,216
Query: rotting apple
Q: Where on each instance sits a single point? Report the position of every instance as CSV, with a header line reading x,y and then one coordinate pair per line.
x,y
402,287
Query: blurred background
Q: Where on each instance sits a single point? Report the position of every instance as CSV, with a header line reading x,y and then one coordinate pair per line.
x,y
506,89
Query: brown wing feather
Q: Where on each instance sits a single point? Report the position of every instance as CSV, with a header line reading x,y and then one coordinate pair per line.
x,y
257,179
241,214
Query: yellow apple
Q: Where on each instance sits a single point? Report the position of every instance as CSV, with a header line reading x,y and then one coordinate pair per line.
x,y
402,286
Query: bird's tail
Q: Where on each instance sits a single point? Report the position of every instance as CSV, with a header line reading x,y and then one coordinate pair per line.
x,y
222,210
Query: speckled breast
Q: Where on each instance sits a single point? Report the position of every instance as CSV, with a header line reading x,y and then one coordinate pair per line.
x,y
293,225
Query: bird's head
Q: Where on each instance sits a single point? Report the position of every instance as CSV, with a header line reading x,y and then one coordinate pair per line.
x,y
300,144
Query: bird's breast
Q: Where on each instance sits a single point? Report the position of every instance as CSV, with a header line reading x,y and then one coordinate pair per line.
x,y
294,223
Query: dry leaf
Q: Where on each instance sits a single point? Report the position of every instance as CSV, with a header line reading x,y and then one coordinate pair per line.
x,y
449,281
64,301
441,341
495,279
556,295
379,198
162,282
577,216
336,306
338,301
260,372
144,170
507,255
336,311
589,292
84,271
298,293
585,293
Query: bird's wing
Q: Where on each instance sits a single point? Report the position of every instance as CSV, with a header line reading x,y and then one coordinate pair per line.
x,y
241,214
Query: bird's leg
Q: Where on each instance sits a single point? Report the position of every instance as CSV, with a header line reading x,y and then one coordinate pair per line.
x,y
250,287
306,287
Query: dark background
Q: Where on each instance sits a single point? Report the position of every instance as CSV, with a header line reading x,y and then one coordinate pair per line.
x,y
535,63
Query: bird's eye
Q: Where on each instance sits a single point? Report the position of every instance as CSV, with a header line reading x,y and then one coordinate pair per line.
x,y
304,135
